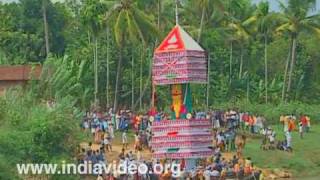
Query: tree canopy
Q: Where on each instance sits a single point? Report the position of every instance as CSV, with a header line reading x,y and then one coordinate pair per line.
x,y
255,55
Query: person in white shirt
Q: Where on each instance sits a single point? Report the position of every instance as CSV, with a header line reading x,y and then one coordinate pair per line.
x,y
289,139
216,123
206,174
117,121
106,143
111,131
215,173
271,139
124,140
301,130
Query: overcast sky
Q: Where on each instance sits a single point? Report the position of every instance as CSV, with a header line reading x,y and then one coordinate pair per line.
x,y
273,3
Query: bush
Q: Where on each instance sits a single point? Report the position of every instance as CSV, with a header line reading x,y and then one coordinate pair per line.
x,y
30,132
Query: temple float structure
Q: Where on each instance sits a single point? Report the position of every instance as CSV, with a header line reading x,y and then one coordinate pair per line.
x,y
178,61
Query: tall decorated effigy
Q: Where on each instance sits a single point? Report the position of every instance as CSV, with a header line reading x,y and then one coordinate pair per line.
x,y
179,61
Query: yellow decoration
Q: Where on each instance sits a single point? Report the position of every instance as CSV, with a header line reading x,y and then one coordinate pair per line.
x,y
177,94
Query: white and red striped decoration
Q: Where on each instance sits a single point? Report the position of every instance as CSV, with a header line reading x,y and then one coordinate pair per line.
x,y
183,155
181,122
178,139
185,144
179,59
179,128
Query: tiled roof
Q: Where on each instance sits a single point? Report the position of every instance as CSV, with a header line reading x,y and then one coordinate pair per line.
x,y
20,72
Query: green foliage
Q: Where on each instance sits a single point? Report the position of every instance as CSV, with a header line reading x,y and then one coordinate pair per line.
x,y
92,15
120,36
77,30
32,132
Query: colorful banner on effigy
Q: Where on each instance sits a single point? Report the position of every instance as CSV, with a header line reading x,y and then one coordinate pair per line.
x,y
179,60
181,139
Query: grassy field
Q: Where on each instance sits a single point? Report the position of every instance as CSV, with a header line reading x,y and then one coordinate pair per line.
x,y
303,162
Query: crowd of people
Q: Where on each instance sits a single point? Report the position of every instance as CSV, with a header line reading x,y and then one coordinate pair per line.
x,y
289,123
226,125
232,120
238,120
103,126
214,168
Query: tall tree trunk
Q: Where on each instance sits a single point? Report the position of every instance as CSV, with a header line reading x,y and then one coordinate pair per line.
x,y
230,63
132,82
115,103
108,83
248,89
89,38
208,85
283,94
293,61
153,87
201,23
46,28
241,63
159,13
95,71
141,73
177,13
266,66
147,84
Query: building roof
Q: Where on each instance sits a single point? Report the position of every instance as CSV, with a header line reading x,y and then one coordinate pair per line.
x,y
20,72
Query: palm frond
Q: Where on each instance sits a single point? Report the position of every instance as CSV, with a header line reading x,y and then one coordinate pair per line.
x,y
283,27
119,27
250,21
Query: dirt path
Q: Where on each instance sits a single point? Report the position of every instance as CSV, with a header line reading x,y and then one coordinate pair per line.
x,y
116,150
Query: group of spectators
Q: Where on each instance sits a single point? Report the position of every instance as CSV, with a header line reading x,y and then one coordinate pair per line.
x,y
225,139
226,124
233,119
218,167
221,168
290,123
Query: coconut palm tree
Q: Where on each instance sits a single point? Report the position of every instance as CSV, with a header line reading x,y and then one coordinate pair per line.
x,y
263,22
295,19
45,25
92,13
206,7
233,23
130,22
240,35
238,29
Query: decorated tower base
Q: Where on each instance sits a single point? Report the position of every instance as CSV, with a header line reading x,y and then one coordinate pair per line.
x,y
179,61
181,139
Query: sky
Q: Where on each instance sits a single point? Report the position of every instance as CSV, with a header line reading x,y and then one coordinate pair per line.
x,y
18,0
273,3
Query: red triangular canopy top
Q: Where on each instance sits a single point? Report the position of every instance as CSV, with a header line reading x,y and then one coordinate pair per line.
x,y
178,40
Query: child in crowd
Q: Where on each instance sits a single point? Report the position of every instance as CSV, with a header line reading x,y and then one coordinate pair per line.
x,y
301,130
124,140
107,143
136,141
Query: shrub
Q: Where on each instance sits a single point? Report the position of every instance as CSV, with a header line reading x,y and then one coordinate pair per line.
x,y
32,132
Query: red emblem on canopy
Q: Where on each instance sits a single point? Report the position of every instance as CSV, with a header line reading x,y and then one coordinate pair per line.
x,y
173,42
